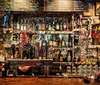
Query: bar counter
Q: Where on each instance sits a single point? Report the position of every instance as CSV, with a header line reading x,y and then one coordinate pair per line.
x,y
45,81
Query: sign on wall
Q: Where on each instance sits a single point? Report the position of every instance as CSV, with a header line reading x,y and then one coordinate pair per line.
x,y
65,5
48,5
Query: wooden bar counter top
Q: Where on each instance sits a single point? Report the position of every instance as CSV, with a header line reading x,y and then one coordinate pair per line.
x,y
44,81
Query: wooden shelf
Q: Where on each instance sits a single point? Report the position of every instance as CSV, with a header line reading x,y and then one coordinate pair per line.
x,y
66,63
67,48
94,46
7,45
76,29
55,32
6,29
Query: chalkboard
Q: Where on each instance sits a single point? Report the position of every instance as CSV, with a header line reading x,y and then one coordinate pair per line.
x,y
66,5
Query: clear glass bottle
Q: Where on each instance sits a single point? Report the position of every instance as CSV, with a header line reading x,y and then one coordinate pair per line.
x,y
69,57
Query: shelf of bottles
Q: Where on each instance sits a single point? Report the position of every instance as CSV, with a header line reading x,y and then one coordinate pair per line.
x,y
54,34
58,38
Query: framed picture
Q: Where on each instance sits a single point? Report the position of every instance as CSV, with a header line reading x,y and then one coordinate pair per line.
x,y
97,8
84,21
90,11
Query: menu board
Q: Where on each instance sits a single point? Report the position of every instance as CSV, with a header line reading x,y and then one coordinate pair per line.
x,y
66,5
19,5
25,5
49,5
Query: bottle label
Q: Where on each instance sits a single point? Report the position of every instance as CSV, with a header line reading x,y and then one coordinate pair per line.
x,y
44,44
61,58
57,27
39,27
54,44
18,27
63,44
64,26
21,27
69,57
50,43
43,27
70,44
67,44
24,27
50,28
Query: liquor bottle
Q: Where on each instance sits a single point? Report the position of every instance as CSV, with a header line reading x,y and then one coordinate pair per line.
x,y
64,55
44,53
18,25
46,24
78,23
54,41
61,26
51,41
57,26
57,41
28,25
67,25
41,52
40,42
67,38
64,25
76,39
70,41
60,56
33,26
7,19
60,39
22,27
25,24
15,24
39,25
43,26
69,56
98,29
49,27
63,42
43,41
53,25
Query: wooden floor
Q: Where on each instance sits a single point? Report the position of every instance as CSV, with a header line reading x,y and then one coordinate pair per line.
x,y
44,81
